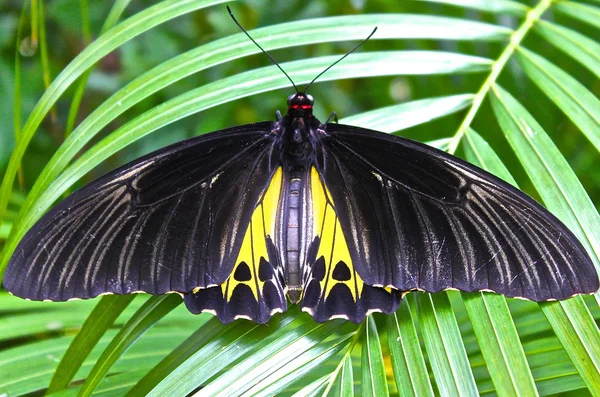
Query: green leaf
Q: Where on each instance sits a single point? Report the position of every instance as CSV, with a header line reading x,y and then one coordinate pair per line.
x,y
313,389
43,44
113,16
277,352
210,331
580,336
293,372
17,95
441,144
104,315
374,381
17,323
531,18
578,103
496,6
444,345
28,367
579,47
153,310
582,12
340,382
399,117
346,378
480,153
223,349
407,358
115,386
500,345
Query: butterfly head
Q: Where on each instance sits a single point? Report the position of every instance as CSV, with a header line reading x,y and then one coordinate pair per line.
x,y
300,105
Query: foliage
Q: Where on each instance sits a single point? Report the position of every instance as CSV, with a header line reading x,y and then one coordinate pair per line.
x,y
469,75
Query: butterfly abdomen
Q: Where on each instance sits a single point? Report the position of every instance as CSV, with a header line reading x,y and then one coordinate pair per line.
x,y
293,234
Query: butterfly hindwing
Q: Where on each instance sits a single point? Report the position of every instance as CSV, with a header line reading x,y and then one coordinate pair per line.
x,y
333,287
254,289
170,221
417,218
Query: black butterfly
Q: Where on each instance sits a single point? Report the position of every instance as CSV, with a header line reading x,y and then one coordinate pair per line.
x,y
341,219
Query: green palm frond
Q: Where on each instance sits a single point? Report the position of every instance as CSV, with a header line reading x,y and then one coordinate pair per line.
x,y
494,81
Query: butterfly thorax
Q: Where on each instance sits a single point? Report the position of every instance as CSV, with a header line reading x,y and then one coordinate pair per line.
x,y
298,132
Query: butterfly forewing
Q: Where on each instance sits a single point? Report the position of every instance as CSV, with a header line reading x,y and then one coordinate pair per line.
x,y
170,221
417,218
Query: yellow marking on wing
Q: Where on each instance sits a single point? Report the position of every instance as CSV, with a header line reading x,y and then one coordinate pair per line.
x,y
254,244
333,247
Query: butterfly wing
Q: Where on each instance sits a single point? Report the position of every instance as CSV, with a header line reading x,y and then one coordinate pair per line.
x,y
333,286
255,287
417,218
170,221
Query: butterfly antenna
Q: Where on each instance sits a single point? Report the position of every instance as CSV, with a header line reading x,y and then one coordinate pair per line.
x,y
262,49
339,60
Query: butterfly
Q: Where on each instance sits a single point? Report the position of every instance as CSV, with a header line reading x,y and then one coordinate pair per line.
x,y
339,219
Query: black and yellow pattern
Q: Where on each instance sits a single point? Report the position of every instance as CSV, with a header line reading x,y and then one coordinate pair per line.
x,y
254,290
334,289
171,221
344,220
